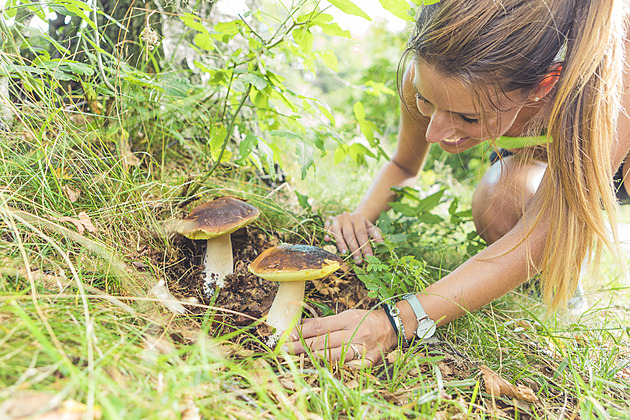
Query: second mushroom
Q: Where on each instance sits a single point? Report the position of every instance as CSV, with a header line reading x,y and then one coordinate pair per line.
x,y
292,266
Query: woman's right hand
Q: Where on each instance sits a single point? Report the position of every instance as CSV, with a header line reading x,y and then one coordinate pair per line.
x,y
353,232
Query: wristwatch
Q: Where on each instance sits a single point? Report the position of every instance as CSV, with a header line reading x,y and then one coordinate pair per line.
x,y
426,326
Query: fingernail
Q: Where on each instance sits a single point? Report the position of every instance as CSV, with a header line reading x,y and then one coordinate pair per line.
x,y
343,251
284,349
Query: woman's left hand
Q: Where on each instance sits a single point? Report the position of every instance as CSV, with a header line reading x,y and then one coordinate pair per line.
x,y
361,337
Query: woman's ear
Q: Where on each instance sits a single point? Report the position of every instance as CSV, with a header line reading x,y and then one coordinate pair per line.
x,y
547,83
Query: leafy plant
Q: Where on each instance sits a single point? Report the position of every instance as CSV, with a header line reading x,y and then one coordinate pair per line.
x,y
393,276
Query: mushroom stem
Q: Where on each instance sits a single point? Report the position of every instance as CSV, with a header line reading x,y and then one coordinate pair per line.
x,y
218,263
286,309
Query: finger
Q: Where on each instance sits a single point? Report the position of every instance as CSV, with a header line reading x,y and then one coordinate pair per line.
x,y
375,233
359,364
327,225
363,238
350,238
335,231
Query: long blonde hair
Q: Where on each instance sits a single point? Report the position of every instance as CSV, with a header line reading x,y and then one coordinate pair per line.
x,y
510,46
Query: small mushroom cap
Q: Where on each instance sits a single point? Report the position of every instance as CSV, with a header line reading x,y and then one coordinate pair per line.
x,y
294,263
220,216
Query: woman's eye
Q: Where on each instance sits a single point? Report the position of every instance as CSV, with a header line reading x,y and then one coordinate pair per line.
x,y
468,120
420,98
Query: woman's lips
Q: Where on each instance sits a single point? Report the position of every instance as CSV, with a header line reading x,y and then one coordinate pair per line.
x,y
455,142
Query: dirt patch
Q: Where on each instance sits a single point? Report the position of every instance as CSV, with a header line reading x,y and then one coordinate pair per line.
x,y
247,297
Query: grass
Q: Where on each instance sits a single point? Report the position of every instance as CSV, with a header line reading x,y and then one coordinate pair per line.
x,y
79,319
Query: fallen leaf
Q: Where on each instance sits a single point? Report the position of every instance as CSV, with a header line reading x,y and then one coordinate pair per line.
x,y
26,404
124,147
72,195
497,386
393,356
191,411
446,369
352,384
82,223
161,292
330,248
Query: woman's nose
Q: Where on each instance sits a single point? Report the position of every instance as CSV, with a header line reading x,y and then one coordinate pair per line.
x,y
440,127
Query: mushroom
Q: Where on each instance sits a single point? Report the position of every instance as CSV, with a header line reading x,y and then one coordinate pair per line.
x,y
214,221
291,266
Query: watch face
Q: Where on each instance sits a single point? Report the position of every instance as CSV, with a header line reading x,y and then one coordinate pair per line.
x,y
426,329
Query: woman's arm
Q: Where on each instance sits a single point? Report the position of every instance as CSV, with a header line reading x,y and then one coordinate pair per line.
x,y
352,231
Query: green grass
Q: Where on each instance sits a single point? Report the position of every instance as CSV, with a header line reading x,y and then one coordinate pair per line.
x,y
102,340
78,319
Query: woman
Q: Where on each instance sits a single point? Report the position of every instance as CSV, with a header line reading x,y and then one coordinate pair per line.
x,y
479,70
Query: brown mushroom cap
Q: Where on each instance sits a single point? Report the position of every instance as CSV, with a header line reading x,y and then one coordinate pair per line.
x,y
220,216
294,263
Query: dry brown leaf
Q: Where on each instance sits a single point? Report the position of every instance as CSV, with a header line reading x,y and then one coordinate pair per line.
x,y
393,356
25,404
352,384
72,195
623,373
191,411
330,248
497,386
446,369
347,301
82,223
124,147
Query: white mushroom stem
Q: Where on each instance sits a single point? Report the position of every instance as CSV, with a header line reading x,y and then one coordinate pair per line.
x,y
218,262
286,309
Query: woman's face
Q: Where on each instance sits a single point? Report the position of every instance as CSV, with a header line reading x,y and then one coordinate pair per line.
x,y
456,124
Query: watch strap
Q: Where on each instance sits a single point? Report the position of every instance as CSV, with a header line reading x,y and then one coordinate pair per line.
x,y
426,326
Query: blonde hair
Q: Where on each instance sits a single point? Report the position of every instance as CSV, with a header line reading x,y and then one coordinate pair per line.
x,y
510,46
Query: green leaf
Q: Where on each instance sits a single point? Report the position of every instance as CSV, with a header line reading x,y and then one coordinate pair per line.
x,y
315,17
303,201
79,68
305,156
304,39
350,8
404,209
429,203
203,40
334,29
259,82
397,8
216,139
326,114
286,134
367,128
10,9
246,145
193,22
359,111
260,98
430,219
339,154
330,59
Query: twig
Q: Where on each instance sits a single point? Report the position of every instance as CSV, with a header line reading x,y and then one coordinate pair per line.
x,y
230,129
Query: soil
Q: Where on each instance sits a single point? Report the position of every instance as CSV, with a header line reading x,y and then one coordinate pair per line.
x,y
246,298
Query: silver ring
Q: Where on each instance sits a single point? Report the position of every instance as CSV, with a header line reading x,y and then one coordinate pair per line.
x,y
355,349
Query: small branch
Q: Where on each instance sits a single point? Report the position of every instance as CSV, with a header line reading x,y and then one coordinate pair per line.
x,y
230,130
